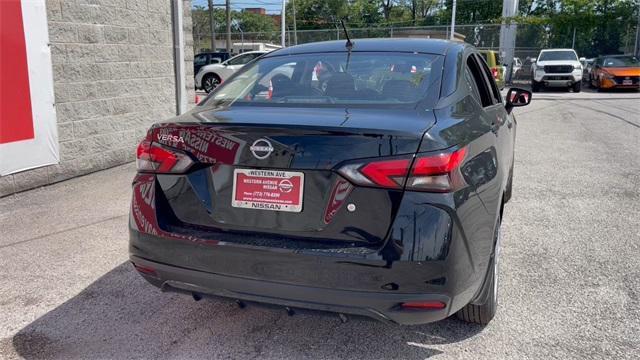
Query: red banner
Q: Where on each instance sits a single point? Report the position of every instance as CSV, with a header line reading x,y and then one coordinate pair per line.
x,y
16,119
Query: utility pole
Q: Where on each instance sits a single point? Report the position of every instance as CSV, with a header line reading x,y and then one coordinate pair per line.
x,y
636,48
295,28
453,20
282,24
212,26
508,37
228,11
573,42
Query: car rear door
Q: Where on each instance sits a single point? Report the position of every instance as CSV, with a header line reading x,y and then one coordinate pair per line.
x,y
494,113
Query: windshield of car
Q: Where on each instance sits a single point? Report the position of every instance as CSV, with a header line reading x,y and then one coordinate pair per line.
x,y
366,78
621,61
558,55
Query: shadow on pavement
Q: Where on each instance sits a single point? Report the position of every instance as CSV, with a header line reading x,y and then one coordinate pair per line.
x,y
121,316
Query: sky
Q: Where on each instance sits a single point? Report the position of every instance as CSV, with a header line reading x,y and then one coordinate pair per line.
x,y
272,6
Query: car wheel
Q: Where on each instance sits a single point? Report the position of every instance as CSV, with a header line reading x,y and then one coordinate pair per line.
x,y
483,309
210,82
535,86
577,87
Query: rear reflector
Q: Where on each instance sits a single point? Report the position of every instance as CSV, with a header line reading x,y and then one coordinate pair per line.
x,y
145,270
433,172
424,305
156,158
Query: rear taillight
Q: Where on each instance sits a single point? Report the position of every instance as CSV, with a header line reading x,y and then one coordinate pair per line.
x,y
433,172
156,158
494,72
437,172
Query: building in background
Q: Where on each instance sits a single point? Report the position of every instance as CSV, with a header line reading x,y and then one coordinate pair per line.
x,y
113,69
259,11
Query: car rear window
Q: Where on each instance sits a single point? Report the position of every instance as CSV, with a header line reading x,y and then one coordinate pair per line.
x,y
359,78
558,55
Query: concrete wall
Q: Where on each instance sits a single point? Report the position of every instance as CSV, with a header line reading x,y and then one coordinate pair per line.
x,y
113,70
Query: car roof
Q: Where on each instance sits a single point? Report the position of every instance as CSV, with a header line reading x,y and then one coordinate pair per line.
x,y
430,46
543,50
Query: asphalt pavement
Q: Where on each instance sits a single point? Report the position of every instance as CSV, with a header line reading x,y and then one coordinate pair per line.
x,y
569,277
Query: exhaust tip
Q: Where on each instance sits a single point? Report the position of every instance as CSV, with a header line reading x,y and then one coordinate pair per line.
x,y
290,311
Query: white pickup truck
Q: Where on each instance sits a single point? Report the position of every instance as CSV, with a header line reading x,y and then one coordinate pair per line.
x,y
556,68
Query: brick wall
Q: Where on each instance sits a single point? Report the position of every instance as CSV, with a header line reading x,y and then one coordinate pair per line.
x,y
113,76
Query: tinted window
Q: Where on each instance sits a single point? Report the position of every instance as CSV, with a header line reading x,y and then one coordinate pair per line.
x,y
366,78
621,61
495,92
242,59
200,60
475,92
481,84
557,55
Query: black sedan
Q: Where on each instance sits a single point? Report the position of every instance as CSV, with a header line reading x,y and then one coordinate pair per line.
x,y
368,179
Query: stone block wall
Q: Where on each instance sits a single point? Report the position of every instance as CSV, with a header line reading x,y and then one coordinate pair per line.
x,y
113,73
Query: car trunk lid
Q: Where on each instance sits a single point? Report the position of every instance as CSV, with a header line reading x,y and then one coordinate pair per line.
x,y
286,153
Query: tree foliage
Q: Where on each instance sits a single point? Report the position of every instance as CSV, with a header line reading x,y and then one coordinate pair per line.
x,y
601,26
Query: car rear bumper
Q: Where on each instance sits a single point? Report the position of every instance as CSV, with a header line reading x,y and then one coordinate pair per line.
x,y
426,256
383,306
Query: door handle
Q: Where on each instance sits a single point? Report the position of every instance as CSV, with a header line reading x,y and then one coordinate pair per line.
x,y
495,125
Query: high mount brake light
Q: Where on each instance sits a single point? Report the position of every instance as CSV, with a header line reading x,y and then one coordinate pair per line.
x,y
433,172
156,158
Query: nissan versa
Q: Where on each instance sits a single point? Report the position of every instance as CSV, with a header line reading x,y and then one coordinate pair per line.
x,y
365,179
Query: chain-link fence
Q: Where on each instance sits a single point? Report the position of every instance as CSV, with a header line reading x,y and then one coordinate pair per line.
x,y
530,39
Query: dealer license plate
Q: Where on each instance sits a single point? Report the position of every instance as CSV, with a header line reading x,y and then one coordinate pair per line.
x,y
268,190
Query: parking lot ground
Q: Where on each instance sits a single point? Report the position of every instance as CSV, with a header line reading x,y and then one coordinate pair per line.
x,y
570,271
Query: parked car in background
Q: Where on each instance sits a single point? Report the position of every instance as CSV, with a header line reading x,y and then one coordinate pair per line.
x,y
586,69
375,187
208,58
210,76
615,71
525,70
497,70
557,68
517,65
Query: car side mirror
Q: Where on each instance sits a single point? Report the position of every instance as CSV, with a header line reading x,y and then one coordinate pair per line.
x,y
582,59
517,97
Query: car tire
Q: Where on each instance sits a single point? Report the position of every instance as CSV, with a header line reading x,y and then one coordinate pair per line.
x,y
535,86
483,311
210,82
577,87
